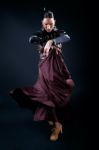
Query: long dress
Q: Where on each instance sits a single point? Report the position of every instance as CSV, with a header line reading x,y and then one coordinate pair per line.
x,y
51,89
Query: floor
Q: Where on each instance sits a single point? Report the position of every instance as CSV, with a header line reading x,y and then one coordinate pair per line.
x,y
19,132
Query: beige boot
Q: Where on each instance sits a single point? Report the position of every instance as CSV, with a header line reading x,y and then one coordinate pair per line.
x,y
55,134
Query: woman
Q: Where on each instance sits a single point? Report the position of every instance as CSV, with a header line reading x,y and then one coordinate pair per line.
x,y
54,84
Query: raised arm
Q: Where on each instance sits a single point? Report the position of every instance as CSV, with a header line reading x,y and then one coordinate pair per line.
x,y
35,38
63,37
60,37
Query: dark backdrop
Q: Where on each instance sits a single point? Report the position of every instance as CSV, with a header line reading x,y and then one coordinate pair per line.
x,y
19,60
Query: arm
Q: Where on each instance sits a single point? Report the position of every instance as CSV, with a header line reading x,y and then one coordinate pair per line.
x,y
63,37
36,38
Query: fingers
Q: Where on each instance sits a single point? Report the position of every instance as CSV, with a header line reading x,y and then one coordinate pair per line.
x,y
46,49
48,45
46,52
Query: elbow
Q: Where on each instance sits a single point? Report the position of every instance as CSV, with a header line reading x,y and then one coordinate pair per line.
x,y
30,39
67,37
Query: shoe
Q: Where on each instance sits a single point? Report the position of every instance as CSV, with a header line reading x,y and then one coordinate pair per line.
x,y
56,132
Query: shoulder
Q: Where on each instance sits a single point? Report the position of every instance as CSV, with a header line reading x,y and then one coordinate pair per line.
x,y
58,32
61,31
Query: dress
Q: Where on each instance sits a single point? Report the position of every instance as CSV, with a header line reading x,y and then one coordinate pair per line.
x,y
51,89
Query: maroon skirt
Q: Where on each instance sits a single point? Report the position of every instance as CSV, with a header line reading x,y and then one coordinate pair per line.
x,y
52,89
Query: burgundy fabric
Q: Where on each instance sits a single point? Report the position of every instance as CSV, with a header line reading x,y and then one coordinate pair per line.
x,y
52,89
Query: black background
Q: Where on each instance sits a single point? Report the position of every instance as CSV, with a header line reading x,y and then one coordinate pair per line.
x,y
18,68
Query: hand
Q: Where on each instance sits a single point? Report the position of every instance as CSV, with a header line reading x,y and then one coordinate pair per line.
x,y
56,48
47,47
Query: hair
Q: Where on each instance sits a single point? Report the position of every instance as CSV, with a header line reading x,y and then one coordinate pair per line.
x,y
48,14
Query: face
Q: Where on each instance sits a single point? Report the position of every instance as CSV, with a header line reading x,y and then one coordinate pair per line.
x,y
48,24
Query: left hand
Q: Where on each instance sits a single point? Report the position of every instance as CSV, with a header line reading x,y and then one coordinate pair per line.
x,y
47,47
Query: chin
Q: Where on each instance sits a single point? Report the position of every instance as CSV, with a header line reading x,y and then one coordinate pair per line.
x,y
48,30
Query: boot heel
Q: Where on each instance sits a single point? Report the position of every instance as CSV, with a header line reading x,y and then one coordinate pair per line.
x,y
61,130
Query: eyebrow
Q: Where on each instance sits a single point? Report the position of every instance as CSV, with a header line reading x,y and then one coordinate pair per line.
x,y
49,23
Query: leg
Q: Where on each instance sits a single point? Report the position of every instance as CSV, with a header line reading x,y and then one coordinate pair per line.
x,y
52,115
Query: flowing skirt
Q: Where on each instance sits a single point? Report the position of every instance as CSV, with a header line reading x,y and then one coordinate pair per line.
x,y
52,89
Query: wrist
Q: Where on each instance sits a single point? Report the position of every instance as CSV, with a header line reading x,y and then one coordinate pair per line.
x,y
51,41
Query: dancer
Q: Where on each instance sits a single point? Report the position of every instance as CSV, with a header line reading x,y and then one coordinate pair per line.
x,y
54,84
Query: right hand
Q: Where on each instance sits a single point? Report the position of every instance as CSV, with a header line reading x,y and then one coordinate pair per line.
x,y
47,47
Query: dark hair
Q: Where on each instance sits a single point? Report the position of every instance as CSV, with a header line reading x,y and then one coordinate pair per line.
x,y
48,14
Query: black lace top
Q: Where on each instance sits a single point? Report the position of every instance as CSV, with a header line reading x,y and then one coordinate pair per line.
x,y
41,37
